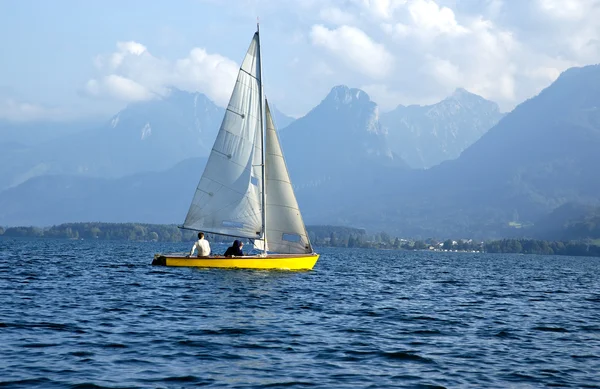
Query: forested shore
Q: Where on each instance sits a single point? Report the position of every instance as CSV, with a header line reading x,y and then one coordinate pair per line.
x,y
321,236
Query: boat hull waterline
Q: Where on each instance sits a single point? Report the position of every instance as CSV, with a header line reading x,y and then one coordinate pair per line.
x,y
271,261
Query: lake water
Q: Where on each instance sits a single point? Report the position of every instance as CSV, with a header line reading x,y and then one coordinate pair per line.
x,y
91,314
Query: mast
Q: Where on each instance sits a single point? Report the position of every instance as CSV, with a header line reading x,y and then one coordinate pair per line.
x,y
262,143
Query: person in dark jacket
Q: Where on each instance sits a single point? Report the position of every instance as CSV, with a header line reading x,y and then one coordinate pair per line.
x,y
235,249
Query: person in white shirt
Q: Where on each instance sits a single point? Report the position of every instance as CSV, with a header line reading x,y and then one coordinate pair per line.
x,y
202,246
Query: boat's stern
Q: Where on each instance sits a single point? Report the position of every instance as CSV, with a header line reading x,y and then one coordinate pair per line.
x,y
159,260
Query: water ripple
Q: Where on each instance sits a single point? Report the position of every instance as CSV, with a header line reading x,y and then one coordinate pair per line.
x,y
89,314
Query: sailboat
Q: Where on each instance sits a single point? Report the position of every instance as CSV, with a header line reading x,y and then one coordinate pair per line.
x,y
245,190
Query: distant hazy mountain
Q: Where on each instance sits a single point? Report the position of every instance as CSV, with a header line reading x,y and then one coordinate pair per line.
x,y
154,197
425,136
547,148
340,137
150,136
23,150
339,140
570,221
538,157
281,119
145,136
38,132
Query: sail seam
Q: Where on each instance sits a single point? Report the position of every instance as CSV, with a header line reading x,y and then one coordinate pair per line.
x,y
287,232
234,218
218,233
243,70
243,217
232,133
284,206
222,186
243,116
278,180
232,162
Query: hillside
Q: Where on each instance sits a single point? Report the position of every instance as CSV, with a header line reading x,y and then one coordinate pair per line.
x,y
540,156
145,136
425,136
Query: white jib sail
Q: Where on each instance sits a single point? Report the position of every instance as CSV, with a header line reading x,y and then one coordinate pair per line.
x,y
286,232
228,198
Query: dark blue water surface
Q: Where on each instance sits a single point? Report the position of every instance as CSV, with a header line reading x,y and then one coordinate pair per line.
x,y
95,314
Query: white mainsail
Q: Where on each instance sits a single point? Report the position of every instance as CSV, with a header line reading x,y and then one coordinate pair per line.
x,y
228,198
286,232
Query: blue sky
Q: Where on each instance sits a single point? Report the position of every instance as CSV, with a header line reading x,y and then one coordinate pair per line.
x,y
65,58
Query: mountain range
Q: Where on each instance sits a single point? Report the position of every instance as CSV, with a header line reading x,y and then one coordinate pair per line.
x,y
351,140
145,136
539,156
343,160
425,136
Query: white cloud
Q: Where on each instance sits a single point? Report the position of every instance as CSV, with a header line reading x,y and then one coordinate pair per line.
x,y
383,9
19,111
565,9
132,73
413,51
401,51
444,54
547,74
444,71
504,50
320,68
388,98
118,87
426,20
336,16
486,57
397,30
355,48
126,48
428,16
211,74
572,29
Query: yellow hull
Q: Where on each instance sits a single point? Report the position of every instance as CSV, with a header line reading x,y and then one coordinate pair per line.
x,y
271,261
